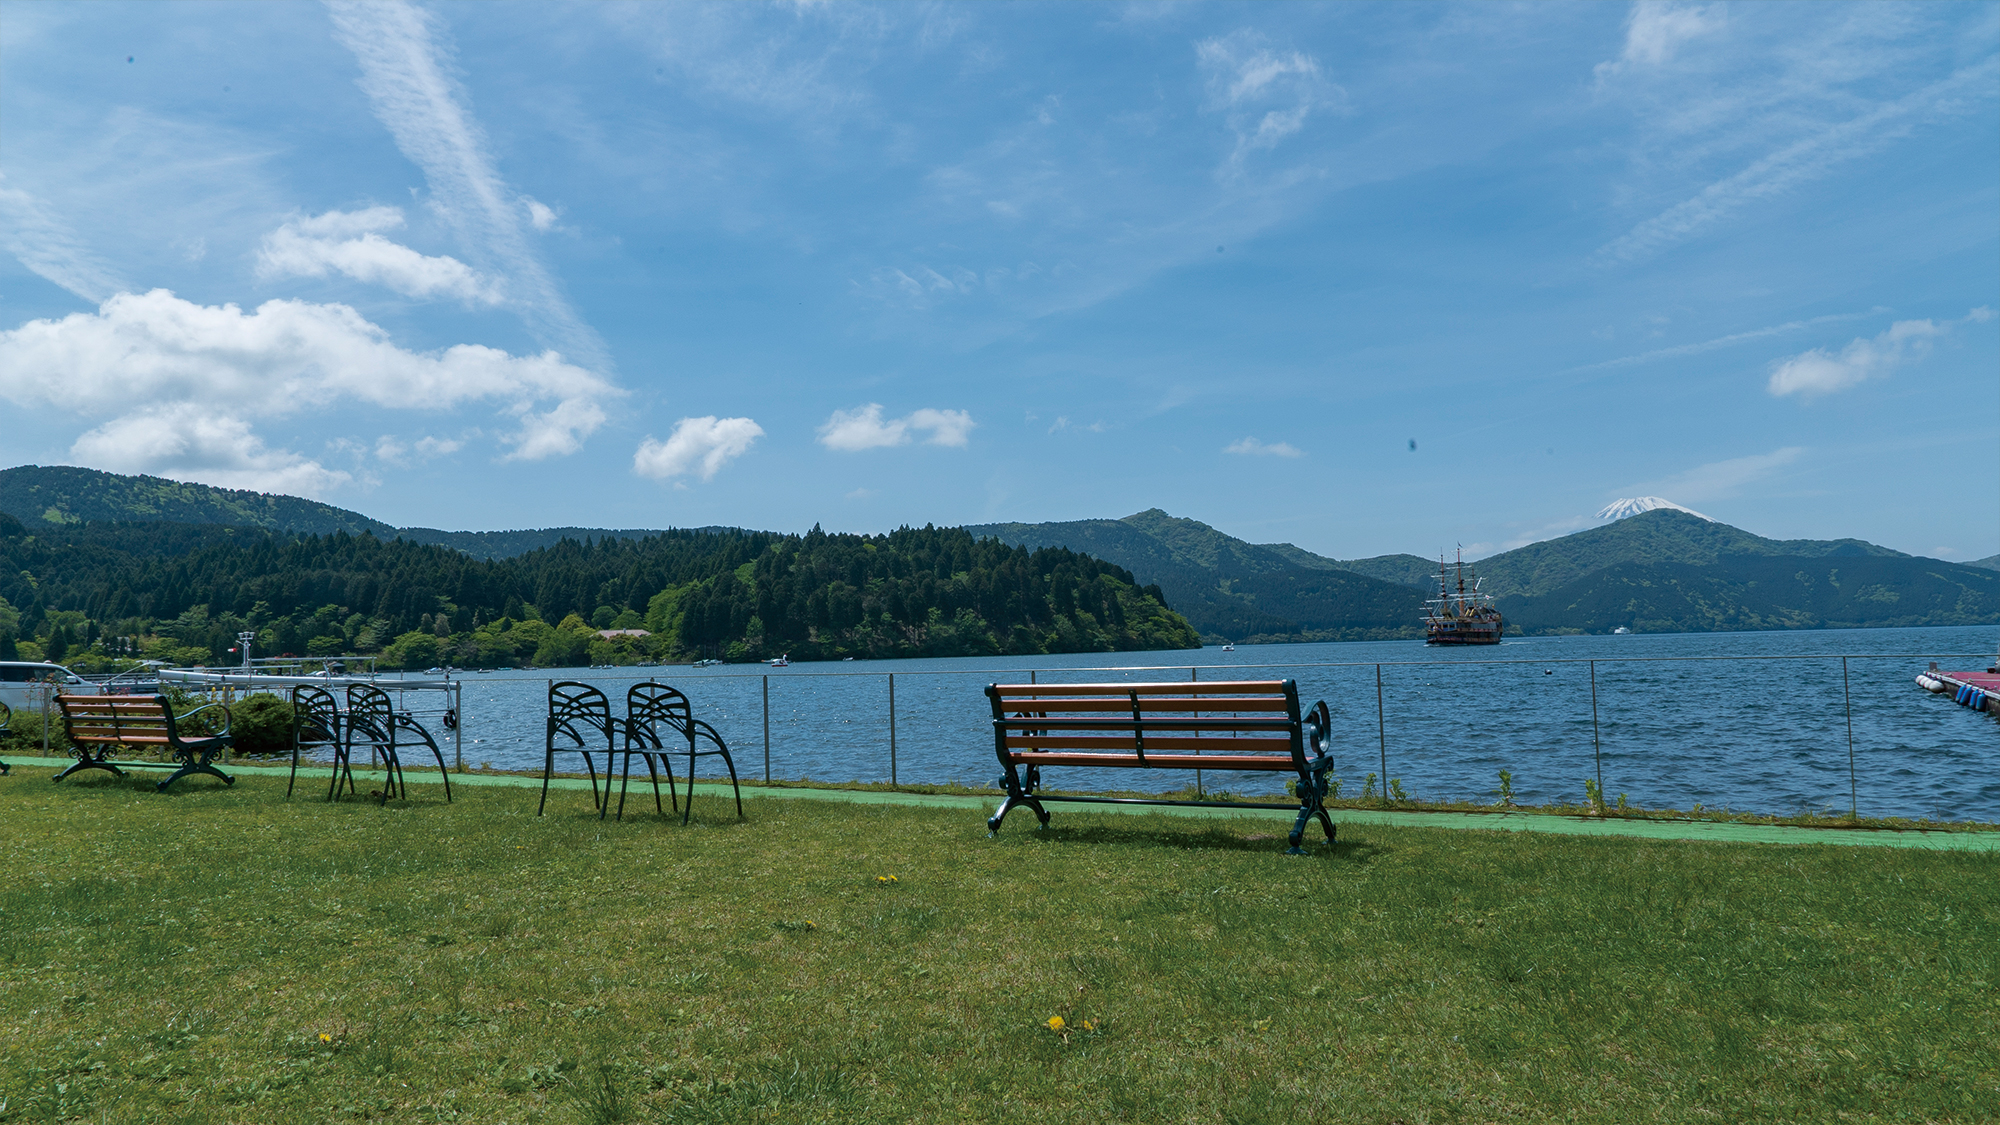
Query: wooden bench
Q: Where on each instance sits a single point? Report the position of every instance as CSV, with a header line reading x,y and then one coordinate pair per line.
x,y
97,724
1251,725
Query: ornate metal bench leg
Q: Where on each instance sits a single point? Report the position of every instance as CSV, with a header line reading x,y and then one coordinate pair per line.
x,y
733,785
5,769
89,764
653,771
548,770
624,784
295,772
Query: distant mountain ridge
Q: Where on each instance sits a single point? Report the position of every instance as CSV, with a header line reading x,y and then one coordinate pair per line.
x,y
1229,589
63,495
1663,569
1662,535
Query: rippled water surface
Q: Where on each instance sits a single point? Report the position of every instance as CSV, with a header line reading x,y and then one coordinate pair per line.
x,y
1754,721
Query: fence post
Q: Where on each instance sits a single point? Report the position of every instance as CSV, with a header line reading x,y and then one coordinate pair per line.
x,y
892,730
767,731
48,701
1847,700
1195,677
1382,734
1596,744
458,725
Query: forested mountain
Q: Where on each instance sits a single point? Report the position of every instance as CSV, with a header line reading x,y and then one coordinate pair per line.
x,y
1663,570
1663,535
181,592
59,495
1763,592
1233,590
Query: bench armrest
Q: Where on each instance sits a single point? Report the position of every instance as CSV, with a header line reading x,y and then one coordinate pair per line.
x,y
227,718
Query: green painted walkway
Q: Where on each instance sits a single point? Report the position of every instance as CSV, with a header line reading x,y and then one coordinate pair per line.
x,y
1699,830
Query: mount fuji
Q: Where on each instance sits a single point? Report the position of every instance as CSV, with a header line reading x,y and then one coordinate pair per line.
x,y
1632,506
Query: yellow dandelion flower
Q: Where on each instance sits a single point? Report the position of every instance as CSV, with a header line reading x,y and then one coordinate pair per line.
x,y
1056,1023
325,1038
1089,1026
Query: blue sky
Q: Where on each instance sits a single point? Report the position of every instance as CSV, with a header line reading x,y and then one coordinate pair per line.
x,y
517,265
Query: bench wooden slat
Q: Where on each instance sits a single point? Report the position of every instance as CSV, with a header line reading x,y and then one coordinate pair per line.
x,y
1266,763
1108,744
1153,705
1191,687
1096,722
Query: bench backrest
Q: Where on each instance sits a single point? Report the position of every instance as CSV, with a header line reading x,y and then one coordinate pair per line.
x,y
576,708
649,703
1239,716
129,720
315,716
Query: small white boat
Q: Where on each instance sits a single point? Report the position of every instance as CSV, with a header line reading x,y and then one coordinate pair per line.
x,y
1620,631
1229,648
784,661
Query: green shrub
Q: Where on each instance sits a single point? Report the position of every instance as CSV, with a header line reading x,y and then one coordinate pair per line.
x,y
262,724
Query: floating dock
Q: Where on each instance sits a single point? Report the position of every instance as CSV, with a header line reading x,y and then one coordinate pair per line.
x,y
1977,690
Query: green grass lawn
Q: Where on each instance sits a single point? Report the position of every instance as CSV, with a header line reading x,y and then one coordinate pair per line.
x,y
218,955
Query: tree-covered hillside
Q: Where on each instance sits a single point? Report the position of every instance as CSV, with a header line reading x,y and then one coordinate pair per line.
x,y
62,495
1230,589
1744,592
1663,535
182,592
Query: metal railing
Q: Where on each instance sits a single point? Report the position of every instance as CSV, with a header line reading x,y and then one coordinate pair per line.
x,y
1760,730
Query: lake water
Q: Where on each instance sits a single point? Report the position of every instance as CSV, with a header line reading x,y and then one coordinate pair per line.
x,y
1748,721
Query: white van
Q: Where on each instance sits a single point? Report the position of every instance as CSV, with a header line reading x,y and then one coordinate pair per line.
x,y
27,687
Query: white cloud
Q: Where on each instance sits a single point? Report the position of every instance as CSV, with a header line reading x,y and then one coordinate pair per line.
x,y
401,49
391,449
1250,447
350,242
946,427
1820,371
540,215
1266,94
189,441
46,245
1656,29
851,431
1719,480
1807,159
702,445
180,359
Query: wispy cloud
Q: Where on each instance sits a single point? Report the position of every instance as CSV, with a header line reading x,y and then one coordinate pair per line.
x,y
1719,480
1820,371
45,244
1251,447
697,445
851,431
1265,92
1656,29
1716,344
404,52
1808,158
350,242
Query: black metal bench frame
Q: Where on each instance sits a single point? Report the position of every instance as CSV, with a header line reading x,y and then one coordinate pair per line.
x,y
6,718
1109,726
156,725
373,720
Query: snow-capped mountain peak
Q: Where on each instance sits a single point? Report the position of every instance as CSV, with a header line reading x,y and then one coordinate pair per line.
x,y
1632,506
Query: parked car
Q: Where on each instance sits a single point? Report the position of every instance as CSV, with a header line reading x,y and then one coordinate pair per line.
x,y
27,687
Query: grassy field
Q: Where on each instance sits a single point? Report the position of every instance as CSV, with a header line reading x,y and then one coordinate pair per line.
x,y
224,956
